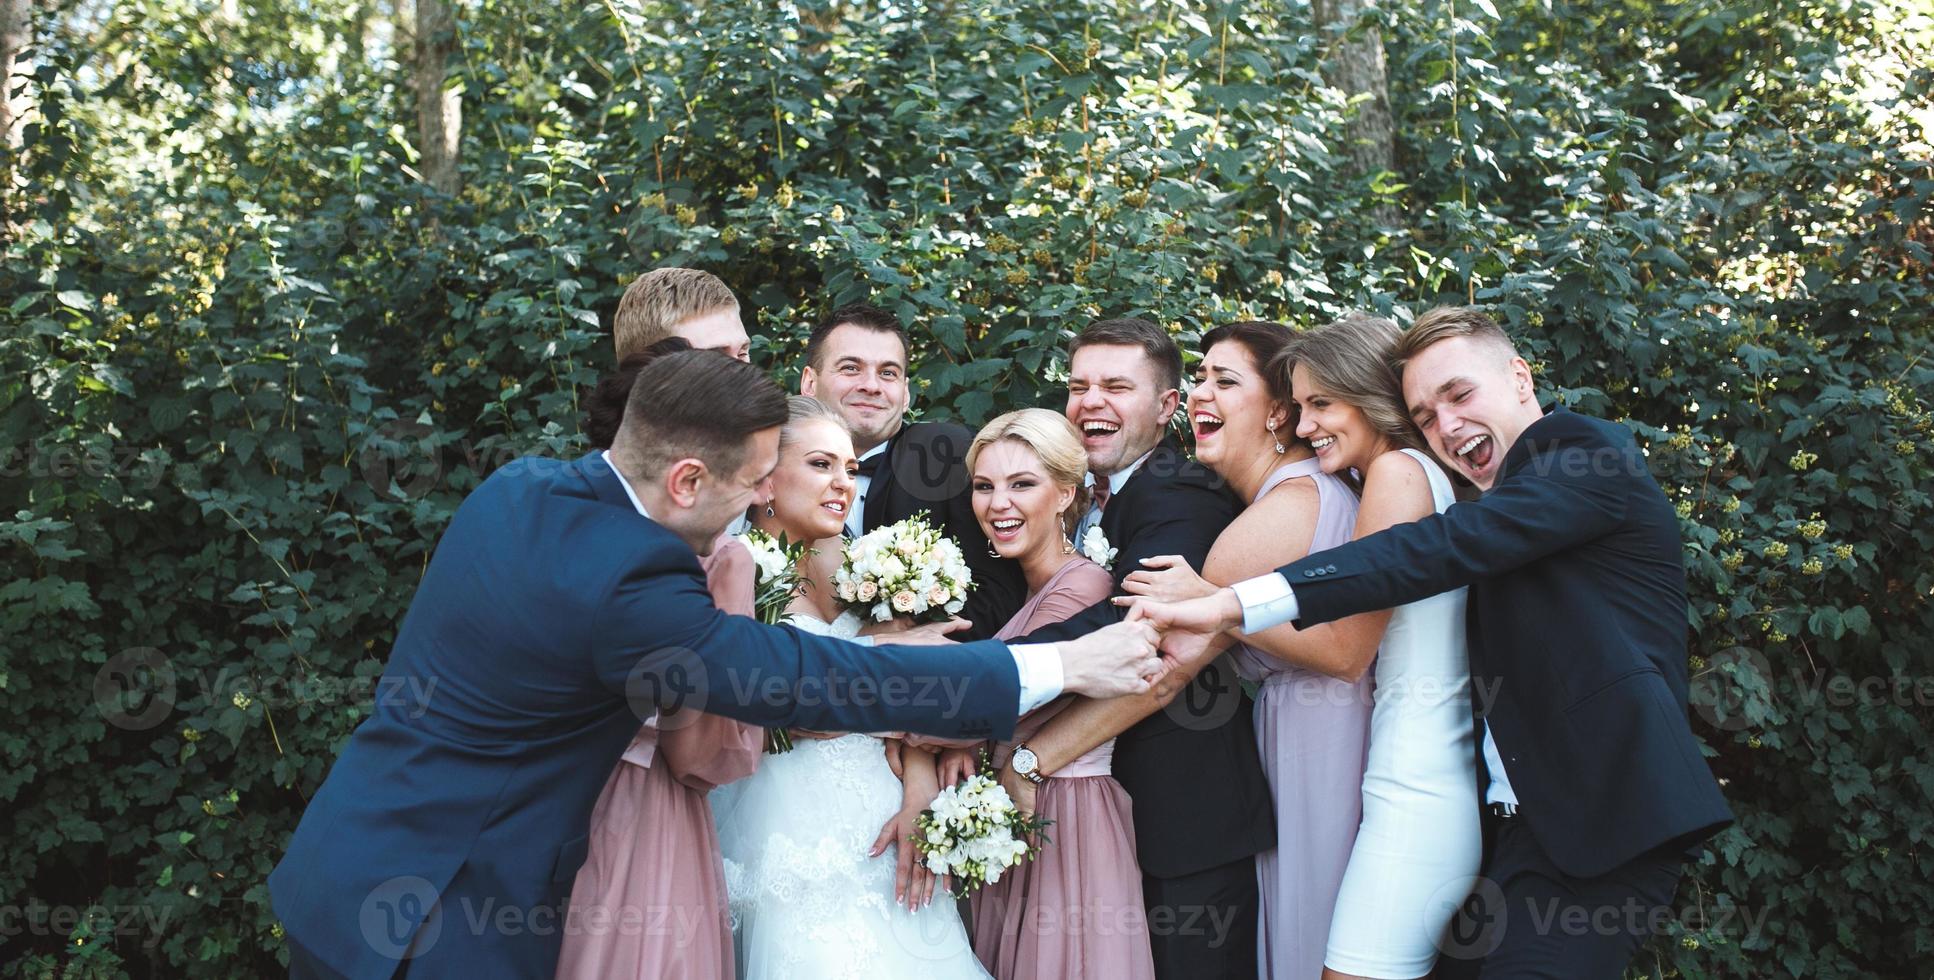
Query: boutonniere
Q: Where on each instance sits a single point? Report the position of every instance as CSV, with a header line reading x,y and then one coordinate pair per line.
x,y
1095,548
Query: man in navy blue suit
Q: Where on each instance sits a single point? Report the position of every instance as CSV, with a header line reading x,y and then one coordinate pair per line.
x,y
563,606
1594,785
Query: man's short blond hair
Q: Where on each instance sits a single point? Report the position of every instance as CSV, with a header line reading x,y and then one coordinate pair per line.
x,y
1446,323
658,301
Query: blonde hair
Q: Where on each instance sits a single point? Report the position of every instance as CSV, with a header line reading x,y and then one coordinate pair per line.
x,y
1352,360
1054,439
805,408
658,301
1446,323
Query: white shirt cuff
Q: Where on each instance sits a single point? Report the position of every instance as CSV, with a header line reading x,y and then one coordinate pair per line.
x,y
1267,601
865,641
1039,665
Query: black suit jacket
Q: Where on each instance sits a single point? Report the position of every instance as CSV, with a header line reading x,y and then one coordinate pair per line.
x,y
1577,628
1191,770
925,468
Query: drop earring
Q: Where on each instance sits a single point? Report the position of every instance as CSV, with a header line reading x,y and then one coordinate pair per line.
x,y
1067,536
769,506
1280,448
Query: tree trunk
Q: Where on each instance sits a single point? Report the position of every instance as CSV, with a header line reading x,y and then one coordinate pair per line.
x,y
1355,66
16,31
439,109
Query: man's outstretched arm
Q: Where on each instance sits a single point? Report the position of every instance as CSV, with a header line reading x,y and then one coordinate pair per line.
x,y
662,644
1564,500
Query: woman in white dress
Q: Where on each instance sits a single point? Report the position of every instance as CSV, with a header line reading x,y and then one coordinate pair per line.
x,y
1417,850
814,891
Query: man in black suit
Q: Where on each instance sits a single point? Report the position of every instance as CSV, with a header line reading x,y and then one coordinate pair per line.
x,y
856,362
1595,787
1200,800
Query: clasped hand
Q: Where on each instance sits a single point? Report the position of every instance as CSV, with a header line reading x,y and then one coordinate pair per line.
x,y
1192,616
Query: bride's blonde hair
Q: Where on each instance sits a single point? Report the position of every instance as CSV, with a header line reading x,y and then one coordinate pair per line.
x,y
1054,439
805,408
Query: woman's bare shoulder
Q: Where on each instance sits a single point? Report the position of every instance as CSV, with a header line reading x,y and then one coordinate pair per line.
x,y
1398,479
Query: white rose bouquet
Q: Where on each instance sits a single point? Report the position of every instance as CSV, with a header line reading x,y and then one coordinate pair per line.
x,y
974,833
775,582
904,569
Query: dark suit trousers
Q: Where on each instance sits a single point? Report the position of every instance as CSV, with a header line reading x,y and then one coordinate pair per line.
x,y
1202,926
1537,921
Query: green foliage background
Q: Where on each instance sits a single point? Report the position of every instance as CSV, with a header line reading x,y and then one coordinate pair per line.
x,y
250,365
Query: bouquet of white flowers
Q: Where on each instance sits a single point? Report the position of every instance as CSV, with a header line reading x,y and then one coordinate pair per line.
x,y
775,578
775,582
974,833
904,569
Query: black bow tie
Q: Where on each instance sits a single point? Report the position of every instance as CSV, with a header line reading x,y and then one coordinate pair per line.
x,y
871,464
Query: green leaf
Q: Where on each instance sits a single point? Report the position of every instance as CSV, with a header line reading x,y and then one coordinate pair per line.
x,y
1826,621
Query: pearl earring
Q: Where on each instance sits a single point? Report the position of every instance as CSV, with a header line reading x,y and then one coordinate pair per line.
x,y
1280,448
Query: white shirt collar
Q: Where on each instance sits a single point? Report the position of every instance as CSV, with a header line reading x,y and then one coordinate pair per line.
x,y
876,450
635,502
1119,478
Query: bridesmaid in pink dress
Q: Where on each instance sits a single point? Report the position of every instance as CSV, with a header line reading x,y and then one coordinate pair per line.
x,y
1076,909
649,901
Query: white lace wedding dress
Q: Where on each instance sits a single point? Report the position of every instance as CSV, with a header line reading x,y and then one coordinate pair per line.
x,y
807,903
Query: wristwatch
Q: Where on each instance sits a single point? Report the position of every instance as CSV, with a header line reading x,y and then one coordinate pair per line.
x,y
1026,765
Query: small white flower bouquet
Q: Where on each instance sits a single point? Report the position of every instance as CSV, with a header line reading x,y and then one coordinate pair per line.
x,y
974,833
1095,548
775,579
904,569
775,582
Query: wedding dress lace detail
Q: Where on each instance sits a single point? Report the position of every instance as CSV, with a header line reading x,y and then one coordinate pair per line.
x,y
806,901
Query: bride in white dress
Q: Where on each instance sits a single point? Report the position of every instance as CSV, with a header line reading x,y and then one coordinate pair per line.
x,y
809,897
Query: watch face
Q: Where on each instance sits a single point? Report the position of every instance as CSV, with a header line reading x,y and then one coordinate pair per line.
x,y
1024,761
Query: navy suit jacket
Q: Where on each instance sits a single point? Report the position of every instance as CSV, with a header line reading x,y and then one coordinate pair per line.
x,y
553,619
1577,626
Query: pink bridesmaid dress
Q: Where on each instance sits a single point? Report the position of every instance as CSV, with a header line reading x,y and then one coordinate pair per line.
x,y
649,902
1076,909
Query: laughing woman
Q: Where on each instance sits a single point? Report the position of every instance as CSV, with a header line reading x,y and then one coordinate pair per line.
x,y
1417,851
1312,708
1076,910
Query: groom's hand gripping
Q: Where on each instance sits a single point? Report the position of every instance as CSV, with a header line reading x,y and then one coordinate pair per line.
x,y
1110,662
1193,632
